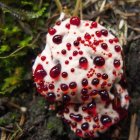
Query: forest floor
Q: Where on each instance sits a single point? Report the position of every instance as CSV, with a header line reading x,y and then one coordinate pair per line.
x,y
26,116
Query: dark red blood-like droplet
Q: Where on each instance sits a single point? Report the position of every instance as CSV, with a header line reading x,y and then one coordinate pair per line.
x,y
63,51
75,21
87,36
98,33
85,97
66,98
68,45
104,32
104,46
84,82
55,71
76,43
43,58
91,106
84,91
85,126
99,61
68,26
79,133
83,62
117,63
117,48
93,92
72,85
95,81
57,39
64,74
94,24
106,120
77,117
75,53
72,70
66,62
104,76
64,87
96,43
104,95
52,31
51,86
110,41
58,22
39,73
80,52
50,96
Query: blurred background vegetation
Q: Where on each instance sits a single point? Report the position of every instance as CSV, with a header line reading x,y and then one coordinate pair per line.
x,y
23,27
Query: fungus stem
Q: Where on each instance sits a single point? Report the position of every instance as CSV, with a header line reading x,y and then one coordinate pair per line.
x,y
77,7
59,5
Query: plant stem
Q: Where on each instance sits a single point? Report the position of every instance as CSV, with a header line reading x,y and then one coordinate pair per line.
x,y
77,7
59,5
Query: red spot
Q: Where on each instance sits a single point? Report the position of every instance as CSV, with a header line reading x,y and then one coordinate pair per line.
x,y
39,73
83,62
94,24
116,40
43,58
110,41
95,81
57,39
51,86
104,95
51,96
98,74
63,51
85,126
80,52
106,120
78,38
93,93
75,21
72,85
52,31
72,69
77,117
99,61
110,55
117,48
66,62
84,82
98,33
87,36
104,46
75,53
117,63
64,87
104,32
76,43
68,45
64,74
68,26
104,76
58,22
79,133
55,71
96,42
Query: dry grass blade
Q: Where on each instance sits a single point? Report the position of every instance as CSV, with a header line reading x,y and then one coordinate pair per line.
x,y
133,135
77,8
3,135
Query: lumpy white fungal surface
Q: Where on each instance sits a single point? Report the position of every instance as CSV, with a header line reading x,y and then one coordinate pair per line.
x,y
82,64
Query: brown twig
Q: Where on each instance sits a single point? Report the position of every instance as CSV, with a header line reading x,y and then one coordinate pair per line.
x,y
77,7
59,5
